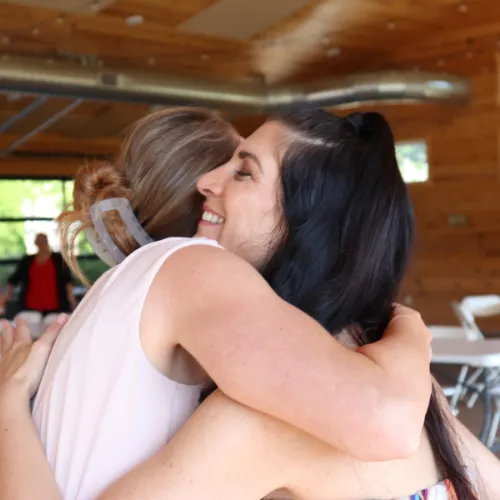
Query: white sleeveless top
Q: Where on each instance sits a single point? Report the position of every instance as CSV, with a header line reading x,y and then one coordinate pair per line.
x,y
102,408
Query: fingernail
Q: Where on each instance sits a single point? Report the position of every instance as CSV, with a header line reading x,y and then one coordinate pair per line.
x,y
61,319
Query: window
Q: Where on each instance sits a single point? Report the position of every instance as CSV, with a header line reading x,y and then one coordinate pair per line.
x,y
412,161
29,207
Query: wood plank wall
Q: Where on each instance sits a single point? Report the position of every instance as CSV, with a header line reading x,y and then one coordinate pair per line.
x,y
454,261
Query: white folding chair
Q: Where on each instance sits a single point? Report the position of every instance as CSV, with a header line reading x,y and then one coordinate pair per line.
x,y
465,313
495,421
447,332
470,308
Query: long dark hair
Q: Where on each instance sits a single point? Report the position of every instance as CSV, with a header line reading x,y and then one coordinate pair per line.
x,y
346,240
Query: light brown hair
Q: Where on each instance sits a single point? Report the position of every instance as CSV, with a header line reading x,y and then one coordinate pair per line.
x,y
157,169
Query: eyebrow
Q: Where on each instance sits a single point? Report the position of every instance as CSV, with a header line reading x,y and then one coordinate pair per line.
x,y
242,155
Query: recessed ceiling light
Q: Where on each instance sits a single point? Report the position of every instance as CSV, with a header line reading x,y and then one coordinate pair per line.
x,y
134,20
333,52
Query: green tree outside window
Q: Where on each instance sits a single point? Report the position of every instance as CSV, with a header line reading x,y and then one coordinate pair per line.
x,y
412,161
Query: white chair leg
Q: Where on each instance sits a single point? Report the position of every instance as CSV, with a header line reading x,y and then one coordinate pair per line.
x,y
495,422
458,389
473,378
479,388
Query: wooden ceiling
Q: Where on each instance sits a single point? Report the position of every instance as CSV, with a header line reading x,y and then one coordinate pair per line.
x,y
323,38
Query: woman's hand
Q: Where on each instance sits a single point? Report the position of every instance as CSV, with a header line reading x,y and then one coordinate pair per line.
x,y
404,354
22,361
24,470
408,321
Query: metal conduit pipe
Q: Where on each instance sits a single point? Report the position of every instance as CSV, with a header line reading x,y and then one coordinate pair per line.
x,y
57,79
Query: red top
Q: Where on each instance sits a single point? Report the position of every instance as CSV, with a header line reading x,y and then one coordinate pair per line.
x,y
42,287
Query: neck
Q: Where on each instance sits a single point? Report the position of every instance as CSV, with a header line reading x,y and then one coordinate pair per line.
x,y
43,254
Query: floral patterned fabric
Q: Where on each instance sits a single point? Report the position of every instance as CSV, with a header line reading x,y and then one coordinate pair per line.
x,y
441,491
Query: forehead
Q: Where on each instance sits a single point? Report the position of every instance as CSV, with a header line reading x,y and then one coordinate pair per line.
x,y
267,139
267,142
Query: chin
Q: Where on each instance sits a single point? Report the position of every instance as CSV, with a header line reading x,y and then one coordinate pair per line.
x,y
210,232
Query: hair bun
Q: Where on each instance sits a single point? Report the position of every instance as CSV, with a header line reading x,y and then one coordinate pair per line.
x,y
370,125
99,181
356,121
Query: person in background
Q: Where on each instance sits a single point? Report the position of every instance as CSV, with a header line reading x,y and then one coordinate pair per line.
x,y
45,279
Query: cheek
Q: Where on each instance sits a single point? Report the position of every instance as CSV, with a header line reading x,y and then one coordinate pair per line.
x,y
267,222
252,214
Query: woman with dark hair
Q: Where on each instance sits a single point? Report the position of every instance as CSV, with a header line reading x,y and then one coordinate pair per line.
x,y
339,252
317,205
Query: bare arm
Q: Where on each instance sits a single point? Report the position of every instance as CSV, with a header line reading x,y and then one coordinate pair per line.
x,y
221,453
484,466
227,451
24,471
270,356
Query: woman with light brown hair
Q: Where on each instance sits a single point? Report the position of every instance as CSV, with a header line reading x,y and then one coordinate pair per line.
x,y
175,312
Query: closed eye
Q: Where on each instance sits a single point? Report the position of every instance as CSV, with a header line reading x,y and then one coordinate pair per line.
x,y
242,173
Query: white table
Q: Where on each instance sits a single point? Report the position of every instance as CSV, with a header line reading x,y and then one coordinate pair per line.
x,y
479,354
447,332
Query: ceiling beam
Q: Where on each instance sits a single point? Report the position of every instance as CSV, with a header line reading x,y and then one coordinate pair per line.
x,y
47,143
16,166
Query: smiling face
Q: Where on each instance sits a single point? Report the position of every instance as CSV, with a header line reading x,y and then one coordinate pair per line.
x,y
242,210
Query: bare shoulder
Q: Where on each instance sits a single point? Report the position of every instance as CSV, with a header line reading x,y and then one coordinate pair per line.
x,y
204,271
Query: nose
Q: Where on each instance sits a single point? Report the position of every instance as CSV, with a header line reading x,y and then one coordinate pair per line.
x,y
211,183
